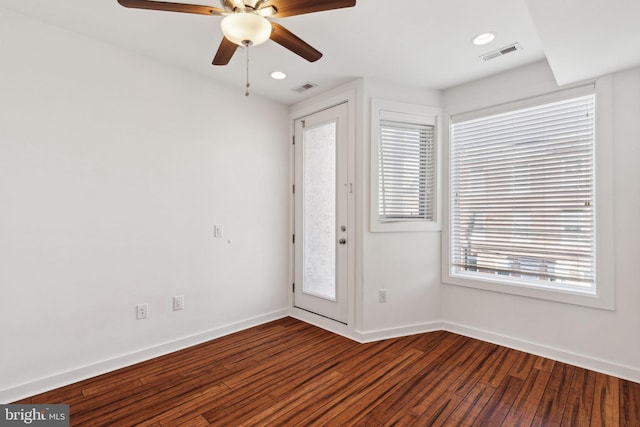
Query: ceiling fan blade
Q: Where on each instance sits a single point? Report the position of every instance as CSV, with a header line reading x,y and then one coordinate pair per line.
x,y
225,52
299,7
295,44
171,7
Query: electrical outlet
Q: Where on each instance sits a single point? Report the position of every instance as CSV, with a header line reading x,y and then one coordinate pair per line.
x,y
178,303
382,295
141,311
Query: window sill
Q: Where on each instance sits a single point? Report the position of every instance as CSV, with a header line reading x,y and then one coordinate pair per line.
x,y
576,297
399,226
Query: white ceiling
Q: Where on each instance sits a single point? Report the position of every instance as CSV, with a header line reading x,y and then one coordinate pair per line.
x,y
416,43
584,39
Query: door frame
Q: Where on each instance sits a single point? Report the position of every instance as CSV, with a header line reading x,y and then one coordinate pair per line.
x,y
297,112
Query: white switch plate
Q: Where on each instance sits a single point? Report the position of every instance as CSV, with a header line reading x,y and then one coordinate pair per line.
x,y
217,230
141,311
178,303
382,295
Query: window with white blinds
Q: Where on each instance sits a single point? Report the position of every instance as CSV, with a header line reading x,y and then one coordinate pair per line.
x,y
405,171
522,195
404,148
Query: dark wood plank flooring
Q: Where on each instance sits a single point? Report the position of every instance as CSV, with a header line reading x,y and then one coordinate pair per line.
x,y
288,373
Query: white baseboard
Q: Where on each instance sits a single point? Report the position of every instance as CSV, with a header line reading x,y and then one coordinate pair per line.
x,y
403,331
65,378
602,366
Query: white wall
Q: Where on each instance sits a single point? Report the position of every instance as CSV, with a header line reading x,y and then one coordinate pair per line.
x,y
596,338
113,170
407,264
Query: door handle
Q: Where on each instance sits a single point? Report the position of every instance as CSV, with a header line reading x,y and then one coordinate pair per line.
x,y
342,241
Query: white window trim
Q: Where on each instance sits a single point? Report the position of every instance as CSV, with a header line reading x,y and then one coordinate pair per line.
x,y
418,114
604,296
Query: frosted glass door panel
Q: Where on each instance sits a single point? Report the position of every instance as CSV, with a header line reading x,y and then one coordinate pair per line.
x,y
321,213
319,205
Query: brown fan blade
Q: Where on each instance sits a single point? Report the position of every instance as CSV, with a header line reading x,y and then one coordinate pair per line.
x,y
295,44
299,7
171,7
225,52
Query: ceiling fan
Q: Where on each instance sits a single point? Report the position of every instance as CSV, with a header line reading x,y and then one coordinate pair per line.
x,y
245,22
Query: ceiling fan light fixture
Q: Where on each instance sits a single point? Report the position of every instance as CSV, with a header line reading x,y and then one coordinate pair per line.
x,y
267,11
246,28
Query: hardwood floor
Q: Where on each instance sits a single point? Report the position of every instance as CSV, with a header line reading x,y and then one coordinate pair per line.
x,y
288,373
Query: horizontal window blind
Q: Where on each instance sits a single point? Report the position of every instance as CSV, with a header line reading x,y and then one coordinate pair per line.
x,y
406,169
522,195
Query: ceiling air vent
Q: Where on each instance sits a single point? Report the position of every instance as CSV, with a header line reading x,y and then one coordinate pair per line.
x,y
501,52
304,87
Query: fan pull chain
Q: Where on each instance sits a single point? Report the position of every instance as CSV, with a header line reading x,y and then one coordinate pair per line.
x,y
248,85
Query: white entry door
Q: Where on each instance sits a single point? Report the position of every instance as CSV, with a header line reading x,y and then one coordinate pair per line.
x,y
321,213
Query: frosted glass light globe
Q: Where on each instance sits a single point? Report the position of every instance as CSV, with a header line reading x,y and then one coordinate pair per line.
x,y
246,28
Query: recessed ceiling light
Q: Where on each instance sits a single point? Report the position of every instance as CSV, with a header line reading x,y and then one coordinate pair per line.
x,y
484,38
278,75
